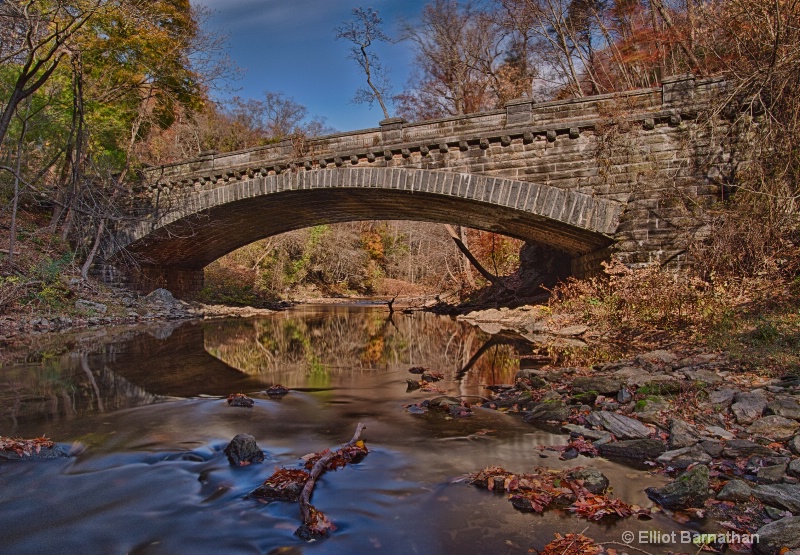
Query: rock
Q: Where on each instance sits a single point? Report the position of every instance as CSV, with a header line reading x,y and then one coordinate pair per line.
x,y
748,407
788,408
777,537
712,447
774,427
243,451
624,395
632,376
622,427
571,331
794,444
685,457
662,386
91,306
771,474
596,436
756,463
529,378
682,434
689,490
782,496
44,454
552,411
722,397
633,449
737,448
443,402
717,431
704,376
277,390
735,490
160,295
593,480
240,400
656,359
601,385
794,468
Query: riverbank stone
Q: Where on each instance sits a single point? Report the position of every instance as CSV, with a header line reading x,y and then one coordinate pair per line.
x,y
622,427
633,449
597,384
774,427
785,407
782,496
682,434
689,490
737,448
243,451
549,411
777,537
44,454
735,490
593,480
748,407
684,457
722,398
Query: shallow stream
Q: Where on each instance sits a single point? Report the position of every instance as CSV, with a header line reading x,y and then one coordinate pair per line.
x,y
145,417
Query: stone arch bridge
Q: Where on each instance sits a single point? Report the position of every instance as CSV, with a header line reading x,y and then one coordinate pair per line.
x,y
586,177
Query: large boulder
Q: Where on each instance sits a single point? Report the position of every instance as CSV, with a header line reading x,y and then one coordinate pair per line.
x,y
778,537
548,411
786,407
689,490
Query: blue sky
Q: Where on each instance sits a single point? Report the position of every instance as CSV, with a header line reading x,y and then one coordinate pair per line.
x,y
289,46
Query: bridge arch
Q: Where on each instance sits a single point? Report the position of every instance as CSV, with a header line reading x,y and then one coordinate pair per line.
x,y
193,226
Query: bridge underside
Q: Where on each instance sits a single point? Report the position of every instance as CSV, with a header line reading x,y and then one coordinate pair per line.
x,y
173,256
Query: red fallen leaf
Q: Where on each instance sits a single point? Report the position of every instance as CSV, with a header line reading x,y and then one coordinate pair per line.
x,y
25,447
571,544
317,525
595,507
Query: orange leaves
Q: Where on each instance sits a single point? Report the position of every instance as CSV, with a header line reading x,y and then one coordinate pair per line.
x,y
595,507
316,526
571,544
25,447
544,488
347,454
285,484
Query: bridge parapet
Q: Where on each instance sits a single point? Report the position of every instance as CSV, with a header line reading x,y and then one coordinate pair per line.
x,y
400,143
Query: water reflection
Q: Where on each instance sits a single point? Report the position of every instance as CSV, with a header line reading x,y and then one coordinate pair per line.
x,y
148,413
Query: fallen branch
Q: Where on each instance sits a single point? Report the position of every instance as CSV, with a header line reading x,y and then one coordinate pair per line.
x,y
315,524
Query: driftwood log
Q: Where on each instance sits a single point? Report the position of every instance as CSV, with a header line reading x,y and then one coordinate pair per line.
x,y
315,524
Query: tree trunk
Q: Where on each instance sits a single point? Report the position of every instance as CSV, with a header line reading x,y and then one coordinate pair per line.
x,y
491,278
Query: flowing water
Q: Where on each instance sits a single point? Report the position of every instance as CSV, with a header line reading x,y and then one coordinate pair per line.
x,y
145,417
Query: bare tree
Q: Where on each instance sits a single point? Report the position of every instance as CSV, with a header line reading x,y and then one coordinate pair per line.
x,y
363,30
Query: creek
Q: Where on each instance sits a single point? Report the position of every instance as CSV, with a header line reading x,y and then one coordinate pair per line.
x,y
145,417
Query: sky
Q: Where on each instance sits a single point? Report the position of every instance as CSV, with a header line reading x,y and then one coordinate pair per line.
x,y
289,47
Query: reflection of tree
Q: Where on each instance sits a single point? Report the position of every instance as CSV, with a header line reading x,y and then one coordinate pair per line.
x,y
290,347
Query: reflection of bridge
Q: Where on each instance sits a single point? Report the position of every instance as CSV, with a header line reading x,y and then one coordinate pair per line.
x,y
577,175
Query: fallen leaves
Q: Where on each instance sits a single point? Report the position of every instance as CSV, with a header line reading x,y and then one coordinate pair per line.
x,y
571,544
25,447
286,484
543,488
